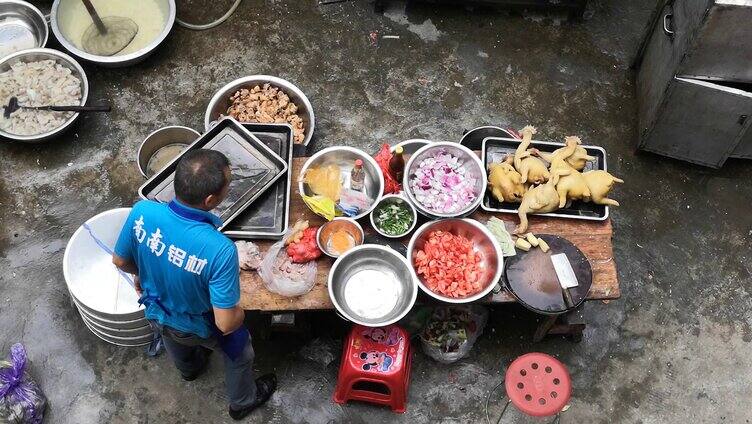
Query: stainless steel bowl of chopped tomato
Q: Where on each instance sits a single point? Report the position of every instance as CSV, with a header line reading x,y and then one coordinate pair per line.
x,y
456,260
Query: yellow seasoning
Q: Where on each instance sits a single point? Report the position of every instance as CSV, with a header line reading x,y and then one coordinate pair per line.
x,y
341,241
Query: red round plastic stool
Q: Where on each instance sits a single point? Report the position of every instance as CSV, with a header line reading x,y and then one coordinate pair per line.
x,y
375,367
538,385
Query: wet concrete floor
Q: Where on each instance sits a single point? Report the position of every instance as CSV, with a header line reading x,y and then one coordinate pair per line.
x,y
675,348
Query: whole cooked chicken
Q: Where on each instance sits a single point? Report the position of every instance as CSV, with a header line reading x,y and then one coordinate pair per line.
x,y
505,182
578,160
540,199
600,184
531,169
571,185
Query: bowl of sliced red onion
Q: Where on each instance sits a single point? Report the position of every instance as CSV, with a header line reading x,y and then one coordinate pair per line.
x,y
444,180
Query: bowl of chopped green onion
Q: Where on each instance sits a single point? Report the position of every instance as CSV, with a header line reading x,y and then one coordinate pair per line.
x,y
394,216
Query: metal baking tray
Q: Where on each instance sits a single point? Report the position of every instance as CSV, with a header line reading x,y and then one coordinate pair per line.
x,y
255,168
268,216
496,148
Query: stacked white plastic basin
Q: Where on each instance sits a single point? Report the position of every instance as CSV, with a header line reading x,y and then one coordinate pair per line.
x,y
105,299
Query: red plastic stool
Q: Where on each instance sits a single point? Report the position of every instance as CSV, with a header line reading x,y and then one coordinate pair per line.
x,y
375,367
538,385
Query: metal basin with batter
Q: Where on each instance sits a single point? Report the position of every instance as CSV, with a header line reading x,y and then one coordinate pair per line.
x,y
61,10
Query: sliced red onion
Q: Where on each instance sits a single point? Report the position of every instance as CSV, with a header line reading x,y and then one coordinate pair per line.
x,y
440,184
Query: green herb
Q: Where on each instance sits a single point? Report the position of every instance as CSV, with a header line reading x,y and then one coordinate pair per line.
x,y
394,219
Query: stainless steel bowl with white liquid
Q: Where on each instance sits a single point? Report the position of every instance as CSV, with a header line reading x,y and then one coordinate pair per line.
x,y
372,285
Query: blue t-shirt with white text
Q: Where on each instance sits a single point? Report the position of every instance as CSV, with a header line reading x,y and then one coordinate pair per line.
x,y
185,263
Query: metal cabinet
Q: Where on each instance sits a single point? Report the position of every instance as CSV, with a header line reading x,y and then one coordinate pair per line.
x,y
694,83
700,122
743,150
723,47
661,57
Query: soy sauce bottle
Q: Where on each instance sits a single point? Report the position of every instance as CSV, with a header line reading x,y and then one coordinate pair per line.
x,y
357,176
397,164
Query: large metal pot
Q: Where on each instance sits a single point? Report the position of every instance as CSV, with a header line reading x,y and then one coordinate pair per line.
x,y
484,244
372,285
158,140
221,100
21,24
120,340
95,318
92,279
33,55
58,11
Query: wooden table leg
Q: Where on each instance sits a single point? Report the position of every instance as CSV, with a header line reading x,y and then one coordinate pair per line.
x,y
545,327
560,325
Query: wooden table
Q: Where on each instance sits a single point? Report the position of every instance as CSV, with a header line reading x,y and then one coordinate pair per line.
x,y
591,237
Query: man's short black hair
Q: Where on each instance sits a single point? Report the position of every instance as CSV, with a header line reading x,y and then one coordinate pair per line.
x,y
200,173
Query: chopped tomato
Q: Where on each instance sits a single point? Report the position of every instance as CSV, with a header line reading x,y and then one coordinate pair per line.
x,y
449,265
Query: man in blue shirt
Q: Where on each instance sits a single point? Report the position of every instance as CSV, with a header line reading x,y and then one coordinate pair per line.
x,y
188,278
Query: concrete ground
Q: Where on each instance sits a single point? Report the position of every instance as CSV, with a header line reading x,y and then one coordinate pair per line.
x,y
675,348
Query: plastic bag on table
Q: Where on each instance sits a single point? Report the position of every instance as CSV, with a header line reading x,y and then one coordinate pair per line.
x,y
452,331
21,399
249,255
352,202
284,277
382,158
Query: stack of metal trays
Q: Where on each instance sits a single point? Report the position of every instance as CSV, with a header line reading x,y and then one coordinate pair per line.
x,y
268,217
104,297
255,168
